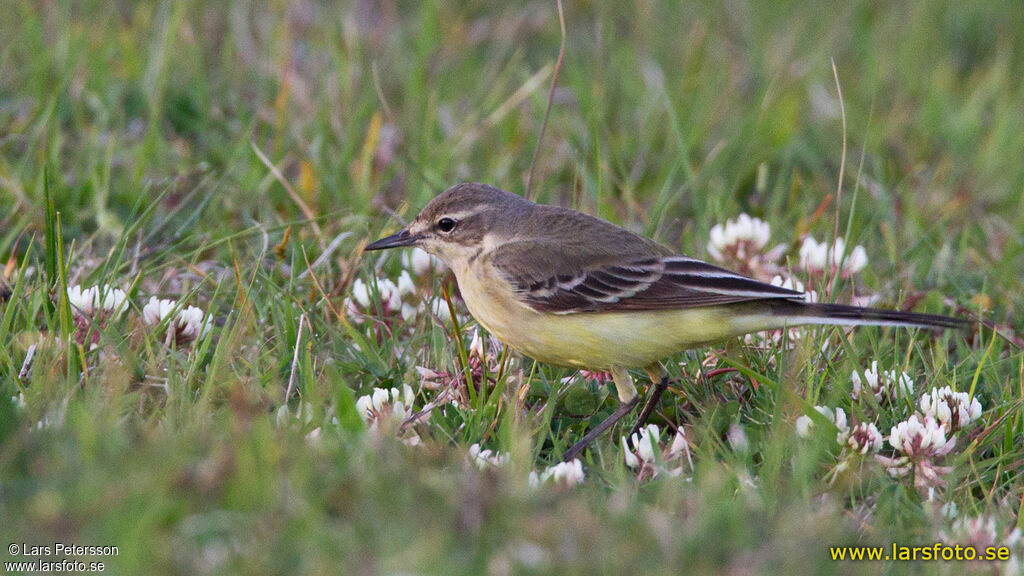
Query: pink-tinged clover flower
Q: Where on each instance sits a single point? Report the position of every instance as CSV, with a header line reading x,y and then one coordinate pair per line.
x,y
983,533
920,443
484,360
917,438
953,410
740,243
885,386
864,438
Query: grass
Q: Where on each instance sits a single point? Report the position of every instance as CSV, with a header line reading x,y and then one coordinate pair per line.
x,y
235,159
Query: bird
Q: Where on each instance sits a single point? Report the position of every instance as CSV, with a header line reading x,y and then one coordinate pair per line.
x,y
573,290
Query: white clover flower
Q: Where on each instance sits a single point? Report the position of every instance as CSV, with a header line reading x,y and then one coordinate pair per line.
x,y
360,293
409,312
885,385
440,309
917,438
680,447
379,398
420,262
804,424
188,324
864,438
856,261
405,284
81,300
115,300
384,402
737,437
646,442
364,405
476,345
95,305
564,473
407,395
192,324
794,284
352,308
740,239
389,408
390,296
303,414
392,299
156,310
949,510
631,458
840,420
680,444
816,258
813,256
99,301
953,410
313,438
484,459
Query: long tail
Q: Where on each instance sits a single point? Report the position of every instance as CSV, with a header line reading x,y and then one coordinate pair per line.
x,y
838,314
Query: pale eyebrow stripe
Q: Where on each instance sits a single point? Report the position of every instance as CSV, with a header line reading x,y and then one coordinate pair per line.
x,y
461,215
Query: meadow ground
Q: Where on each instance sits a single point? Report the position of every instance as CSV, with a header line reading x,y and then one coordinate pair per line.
x,y
238,407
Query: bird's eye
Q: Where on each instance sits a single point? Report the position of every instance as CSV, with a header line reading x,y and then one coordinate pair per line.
x,y
446,224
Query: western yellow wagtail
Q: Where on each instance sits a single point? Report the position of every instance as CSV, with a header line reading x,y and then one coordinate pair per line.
x,y
573,290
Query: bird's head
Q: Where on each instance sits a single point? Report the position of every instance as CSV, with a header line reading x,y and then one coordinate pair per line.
x,y
460,221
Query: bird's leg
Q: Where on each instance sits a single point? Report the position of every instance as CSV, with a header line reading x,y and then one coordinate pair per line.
x,y
628,398
596,431
660,378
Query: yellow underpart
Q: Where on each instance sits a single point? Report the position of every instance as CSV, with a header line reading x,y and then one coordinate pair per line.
x,y
598,341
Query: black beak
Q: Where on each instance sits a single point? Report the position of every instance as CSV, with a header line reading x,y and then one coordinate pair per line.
x,y
396,240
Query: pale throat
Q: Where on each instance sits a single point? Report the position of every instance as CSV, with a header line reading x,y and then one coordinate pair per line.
x,y
490,297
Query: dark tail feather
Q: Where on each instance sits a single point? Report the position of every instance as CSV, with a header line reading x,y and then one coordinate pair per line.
x,y
803,313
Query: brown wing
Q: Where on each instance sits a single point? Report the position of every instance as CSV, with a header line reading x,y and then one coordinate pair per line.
x,y
602,282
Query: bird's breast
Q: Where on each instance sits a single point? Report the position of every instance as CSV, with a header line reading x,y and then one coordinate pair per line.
x,y
492,301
